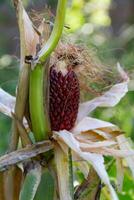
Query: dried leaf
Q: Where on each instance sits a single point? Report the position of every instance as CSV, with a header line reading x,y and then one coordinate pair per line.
x,y
62,167
24,154
112,132
90,135
12,183
89,123
28,36
17,182
125,146
120,174
109,99
7,103
96,160
2,196
92,145
109,151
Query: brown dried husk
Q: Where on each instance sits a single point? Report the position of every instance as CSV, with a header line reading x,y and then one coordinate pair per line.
x,y
41,15
94,77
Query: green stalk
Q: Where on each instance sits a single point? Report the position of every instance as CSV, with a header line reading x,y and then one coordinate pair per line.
x,y
38,111
38,88
56,33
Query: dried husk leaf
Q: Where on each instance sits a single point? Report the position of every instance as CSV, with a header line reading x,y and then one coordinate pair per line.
x,y
23,154
89,123
108,99
2,192
90,135
85,144
61,161
120,174
125,145
109,151
28,36
107,133
17,181
14,178
7,102
96,160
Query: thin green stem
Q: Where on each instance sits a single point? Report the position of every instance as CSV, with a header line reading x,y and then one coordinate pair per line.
x,y
56,33
38,95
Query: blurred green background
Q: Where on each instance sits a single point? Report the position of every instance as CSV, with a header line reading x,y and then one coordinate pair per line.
x,y
107,28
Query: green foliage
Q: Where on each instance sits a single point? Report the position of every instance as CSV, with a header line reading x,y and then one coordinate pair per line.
x,y
5,125
46,188
8,81
30,184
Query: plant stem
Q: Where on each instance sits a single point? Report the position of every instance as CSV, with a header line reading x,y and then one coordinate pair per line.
x,y
56,33
23,83
39,79
22,95
38,110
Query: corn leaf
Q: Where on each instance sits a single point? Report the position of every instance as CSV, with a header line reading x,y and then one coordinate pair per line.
x,y
31,184
46,187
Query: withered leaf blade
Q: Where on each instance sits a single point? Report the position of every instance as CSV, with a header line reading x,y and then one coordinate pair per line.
x,y
108,99
12,183
28,36
24,154
61,161
2,196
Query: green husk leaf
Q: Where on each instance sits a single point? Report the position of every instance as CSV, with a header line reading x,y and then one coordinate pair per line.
x,y
31,184
46,187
